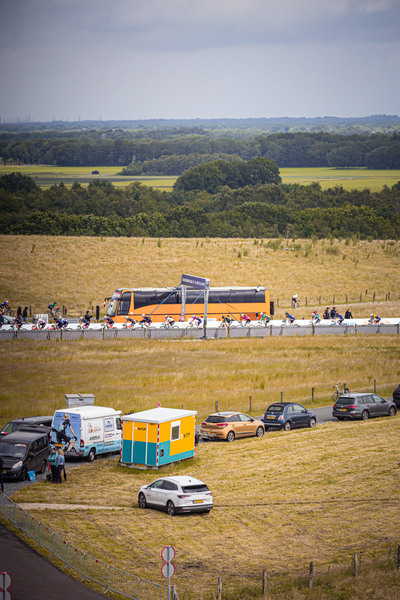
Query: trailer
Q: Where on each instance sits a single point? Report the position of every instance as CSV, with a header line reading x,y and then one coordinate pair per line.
x,y
157,437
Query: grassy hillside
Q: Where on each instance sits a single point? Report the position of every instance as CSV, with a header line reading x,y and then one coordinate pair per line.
x,y
80,272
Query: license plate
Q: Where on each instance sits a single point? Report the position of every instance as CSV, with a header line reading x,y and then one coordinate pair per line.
x,y
343,409
197,501
270,417
4,472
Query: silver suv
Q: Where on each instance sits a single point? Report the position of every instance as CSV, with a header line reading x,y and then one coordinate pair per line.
x,y
362,406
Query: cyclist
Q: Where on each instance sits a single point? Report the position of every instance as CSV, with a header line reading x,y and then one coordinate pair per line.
x,y
339,319
226,321
18,322
52,307
315,318
5,306
246,321
61,323
146,320
62,435
169,321
196,321
108,321
289,318
40,324
264,319
129,322
374,319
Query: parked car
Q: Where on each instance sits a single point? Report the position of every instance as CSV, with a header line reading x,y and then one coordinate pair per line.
x,y
25,421
396,396
179,494
288,415
25,450
230,425
359,405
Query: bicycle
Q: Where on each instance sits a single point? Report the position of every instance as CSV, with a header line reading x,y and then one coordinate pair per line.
x,y
288,323
6,308
54,313
339,392
167,326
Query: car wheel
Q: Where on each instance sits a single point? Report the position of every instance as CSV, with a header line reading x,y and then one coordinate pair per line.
x,y
313,422
142,501
287,426
92,455
230,437
392,411
43,467
170,508
260,431
365,415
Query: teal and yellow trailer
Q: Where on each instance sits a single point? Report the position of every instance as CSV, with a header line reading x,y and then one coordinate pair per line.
x,y
157,437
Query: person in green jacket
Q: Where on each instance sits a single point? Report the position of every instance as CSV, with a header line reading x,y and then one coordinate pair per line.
x,y
52,463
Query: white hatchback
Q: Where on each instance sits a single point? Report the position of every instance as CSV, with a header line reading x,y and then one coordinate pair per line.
x,y
180,494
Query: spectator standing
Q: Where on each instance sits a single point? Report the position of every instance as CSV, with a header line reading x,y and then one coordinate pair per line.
x,y
25,313
19,311
347,314
295,301
52,462
59,464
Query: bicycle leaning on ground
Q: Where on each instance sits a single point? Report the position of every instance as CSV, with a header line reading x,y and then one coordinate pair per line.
x,y
340,391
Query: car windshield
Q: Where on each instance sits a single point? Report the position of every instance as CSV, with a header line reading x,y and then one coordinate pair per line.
x,y
275,408
194,489
346,401
13,449
215,419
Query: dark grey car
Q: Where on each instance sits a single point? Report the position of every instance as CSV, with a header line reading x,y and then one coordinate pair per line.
x,y
362,406
288,415
25,450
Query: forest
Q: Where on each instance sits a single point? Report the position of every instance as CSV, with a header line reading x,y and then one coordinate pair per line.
x,y
174,151
211,200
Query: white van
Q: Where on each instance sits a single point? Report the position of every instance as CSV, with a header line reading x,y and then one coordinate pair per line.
x,y
85,431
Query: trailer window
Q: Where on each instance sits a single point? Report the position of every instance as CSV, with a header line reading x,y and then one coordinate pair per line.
x,y
175,430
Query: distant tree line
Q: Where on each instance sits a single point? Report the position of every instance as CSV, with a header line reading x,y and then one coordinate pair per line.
x,y
260,210
176,153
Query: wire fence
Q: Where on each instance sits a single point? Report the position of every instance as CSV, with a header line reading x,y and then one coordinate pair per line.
x,y
89,568
339,299
194,333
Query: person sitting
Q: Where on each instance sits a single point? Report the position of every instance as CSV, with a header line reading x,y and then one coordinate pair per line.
x,y
289,318
315,318
246,321
264,319
327,314
129,322
169,321
196,321
146,320
347,314
339,319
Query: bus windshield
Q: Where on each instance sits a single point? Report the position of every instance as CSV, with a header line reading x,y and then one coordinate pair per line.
x,y
112,307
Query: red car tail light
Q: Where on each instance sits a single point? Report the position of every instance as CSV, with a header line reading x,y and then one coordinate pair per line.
x,y
187,496
222,424
82,444
280,418
352,406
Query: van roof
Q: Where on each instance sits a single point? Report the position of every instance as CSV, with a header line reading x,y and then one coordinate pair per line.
x,y
159,415
89,412
24,437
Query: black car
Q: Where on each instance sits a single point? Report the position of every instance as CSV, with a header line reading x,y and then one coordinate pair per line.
x,y
288,415
361,405
396,396
25,450
12,426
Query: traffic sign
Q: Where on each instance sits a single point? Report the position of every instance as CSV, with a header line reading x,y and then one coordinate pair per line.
x,y
168,570
168,553
5,582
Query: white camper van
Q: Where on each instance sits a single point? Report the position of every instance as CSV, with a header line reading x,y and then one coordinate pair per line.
x,y
85,431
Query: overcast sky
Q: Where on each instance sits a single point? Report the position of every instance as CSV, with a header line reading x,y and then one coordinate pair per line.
x,y
132,59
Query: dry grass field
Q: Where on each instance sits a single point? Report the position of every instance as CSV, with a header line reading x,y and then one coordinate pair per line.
x,y
280,502
80,272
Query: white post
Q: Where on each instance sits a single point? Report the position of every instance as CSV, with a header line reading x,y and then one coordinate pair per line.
x,y
183,309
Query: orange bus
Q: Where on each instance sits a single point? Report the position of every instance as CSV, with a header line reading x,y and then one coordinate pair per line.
x,y
158,302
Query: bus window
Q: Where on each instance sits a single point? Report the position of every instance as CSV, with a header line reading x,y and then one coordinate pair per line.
x,y
223,296
124,304
144,298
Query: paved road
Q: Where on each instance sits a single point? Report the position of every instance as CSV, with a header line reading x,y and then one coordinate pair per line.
x,y
34,577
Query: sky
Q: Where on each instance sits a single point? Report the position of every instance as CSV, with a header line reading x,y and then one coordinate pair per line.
x,y
184,59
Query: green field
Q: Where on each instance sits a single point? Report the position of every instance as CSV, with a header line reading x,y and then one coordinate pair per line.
x,y
358,179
